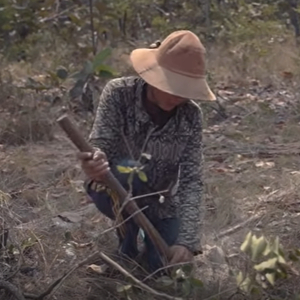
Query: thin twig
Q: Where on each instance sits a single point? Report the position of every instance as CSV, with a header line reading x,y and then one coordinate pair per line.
x,y
121,209
53,287
148,195
135,280
19,262
220,293
53,261
124,221
127,146
162,269
139,197
166,14
41,247
234,294
57,6
145,143
231,230
139,20
13,290
92,26
60,14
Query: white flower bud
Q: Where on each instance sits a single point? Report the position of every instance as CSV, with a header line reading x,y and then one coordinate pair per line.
x,y
161,199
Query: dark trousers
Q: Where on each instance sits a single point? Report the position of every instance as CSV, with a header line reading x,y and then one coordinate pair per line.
x,y
168,227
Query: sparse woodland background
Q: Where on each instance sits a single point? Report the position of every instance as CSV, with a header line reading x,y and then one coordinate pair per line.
x,y
56,56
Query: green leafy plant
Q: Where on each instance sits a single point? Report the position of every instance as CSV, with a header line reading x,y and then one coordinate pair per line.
x,y
96,67
133,170
269,263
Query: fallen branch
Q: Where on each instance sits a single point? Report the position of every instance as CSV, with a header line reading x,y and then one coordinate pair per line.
x,y
53,288
233,229
13,290
135,280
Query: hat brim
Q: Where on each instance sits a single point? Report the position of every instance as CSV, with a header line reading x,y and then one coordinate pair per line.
x,y
145,64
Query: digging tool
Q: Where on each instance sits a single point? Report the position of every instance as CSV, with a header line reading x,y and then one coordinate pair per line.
x,y
131,207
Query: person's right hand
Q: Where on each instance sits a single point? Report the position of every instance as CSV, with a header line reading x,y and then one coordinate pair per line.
x,y
94,165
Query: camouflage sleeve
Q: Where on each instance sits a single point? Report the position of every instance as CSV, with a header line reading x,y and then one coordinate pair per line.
x,y
190,188
105,132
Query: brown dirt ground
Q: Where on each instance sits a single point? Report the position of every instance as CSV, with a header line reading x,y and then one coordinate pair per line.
x,y
41,179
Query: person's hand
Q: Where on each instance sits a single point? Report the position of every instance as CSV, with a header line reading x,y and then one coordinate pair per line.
x,y
180,254
94,165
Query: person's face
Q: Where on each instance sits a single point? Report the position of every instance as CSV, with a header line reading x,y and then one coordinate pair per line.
x,y
164,100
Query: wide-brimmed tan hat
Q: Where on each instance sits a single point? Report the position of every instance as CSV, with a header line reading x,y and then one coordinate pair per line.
x,y
176,67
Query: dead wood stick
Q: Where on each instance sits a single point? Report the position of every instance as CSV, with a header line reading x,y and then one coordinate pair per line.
x,y
131,207
13,290
135,280
233,229
55,285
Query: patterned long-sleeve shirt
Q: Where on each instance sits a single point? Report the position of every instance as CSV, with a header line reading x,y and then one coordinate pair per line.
x,y
123,130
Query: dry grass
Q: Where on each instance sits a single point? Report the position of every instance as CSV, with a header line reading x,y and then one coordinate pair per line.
x,y
262,59
30,126
40,178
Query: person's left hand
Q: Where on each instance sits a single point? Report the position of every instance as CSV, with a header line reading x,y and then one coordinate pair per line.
x,y
180,254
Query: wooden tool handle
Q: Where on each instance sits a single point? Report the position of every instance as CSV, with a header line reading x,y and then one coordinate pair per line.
x,y
131,207
74,134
